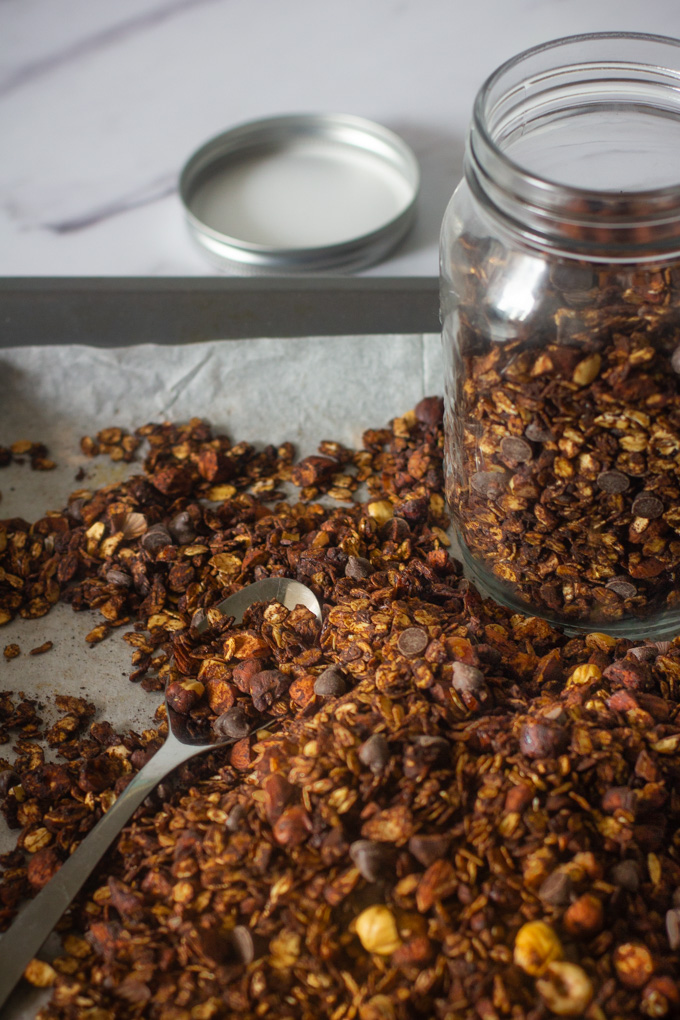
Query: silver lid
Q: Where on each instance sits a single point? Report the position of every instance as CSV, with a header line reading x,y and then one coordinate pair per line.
x,y
302,192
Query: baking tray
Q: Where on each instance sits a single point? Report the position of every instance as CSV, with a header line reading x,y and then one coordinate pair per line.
x,y
106,312
355,343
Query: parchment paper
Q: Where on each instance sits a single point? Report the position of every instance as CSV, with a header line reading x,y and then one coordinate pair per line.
x,y
262,391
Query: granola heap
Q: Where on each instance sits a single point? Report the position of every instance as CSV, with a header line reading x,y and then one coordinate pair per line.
x,y
460,813
565,438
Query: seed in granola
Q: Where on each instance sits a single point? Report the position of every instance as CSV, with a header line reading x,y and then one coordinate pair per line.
x,y
243,944
375,753
516,449
371,858
413,641
377,930
613,481
673,928
647,506
232,724
236,818
331,683
633,964
565,988
358,568
536,946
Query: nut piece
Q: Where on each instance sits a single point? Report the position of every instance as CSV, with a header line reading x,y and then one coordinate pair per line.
x,y
565,988
584,917
633,964
536,946
40,974
377,930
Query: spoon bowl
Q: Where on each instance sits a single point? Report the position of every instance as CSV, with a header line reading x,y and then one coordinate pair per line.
x,y
35,922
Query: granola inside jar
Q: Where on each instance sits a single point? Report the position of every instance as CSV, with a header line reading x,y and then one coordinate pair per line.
x,y
560,304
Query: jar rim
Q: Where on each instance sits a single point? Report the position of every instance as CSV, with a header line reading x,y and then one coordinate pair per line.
x,y
549,207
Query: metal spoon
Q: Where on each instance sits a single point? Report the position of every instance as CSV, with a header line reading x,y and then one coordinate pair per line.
x,y
33,925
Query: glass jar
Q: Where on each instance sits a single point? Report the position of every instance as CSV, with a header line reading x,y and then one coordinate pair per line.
x,y
560,303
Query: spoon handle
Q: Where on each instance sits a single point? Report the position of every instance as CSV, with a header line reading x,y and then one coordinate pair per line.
x,y
35,922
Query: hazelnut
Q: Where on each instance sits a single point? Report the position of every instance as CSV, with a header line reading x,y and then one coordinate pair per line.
x,y
584,917
377,930
182,695
633,964
565,988
536,946
660,996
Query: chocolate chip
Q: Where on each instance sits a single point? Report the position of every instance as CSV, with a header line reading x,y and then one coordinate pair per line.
x,y
371,858
556,889
358,567
428,849
331,683
155,538
232,724
118,578
413,641
182,529
622,587
647,506
613,481
488,483
538,433
516,449
375,752
236,818
626,875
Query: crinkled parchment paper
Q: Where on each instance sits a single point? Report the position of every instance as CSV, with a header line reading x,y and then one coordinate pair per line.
x,y
262,391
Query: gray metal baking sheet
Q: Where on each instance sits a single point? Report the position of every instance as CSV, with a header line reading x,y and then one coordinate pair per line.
x,y
67,370
113,312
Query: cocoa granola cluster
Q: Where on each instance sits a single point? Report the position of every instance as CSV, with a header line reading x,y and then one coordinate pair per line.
x,y
457,813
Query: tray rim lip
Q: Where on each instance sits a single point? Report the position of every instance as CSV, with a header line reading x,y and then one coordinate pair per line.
x,y
122,311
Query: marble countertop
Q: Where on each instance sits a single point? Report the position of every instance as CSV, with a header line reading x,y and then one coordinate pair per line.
x,y
101,104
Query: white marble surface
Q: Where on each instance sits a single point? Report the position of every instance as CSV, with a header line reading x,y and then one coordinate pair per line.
x,y
102,102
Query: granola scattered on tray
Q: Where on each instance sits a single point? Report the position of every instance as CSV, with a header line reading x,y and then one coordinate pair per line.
x,y
462,813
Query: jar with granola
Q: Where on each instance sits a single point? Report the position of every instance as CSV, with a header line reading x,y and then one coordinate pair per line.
x,y
560,303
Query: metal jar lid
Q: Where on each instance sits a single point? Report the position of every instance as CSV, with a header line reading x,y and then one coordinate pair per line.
x,y
303,192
